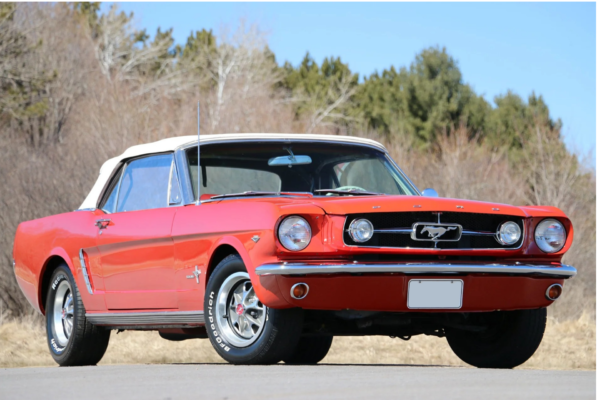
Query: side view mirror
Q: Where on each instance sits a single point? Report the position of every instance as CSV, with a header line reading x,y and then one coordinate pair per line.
x,y
429,192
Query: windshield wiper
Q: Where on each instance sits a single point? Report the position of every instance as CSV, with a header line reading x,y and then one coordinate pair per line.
x,y
348,191
252,193
248,193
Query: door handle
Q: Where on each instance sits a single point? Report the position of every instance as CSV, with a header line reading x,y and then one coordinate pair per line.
x,y
102,223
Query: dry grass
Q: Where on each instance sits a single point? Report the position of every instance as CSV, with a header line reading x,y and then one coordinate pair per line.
x,y
566,345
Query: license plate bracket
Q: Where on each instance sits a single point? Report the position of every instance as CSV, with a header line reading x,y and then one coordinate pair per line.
x,y
443,294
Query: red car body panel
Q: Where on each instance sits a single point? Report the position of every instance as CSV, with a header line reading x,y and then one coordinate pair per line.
x,y
388,292
145,260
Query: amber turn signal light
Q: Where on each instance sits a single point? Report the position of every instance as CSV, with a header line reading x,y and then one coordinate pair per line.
x,y
299,291
553,292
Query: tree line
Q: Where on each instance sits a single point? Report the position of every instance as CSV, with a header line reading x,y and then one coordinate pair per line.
x,y
421,101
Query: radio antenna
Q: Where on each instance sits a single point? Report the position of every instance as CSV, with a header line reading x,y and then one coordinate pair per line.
x,y
198,202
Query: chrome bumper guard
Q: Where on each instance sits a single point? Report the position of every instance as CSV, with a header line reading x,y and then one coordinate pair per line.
x,y
563,271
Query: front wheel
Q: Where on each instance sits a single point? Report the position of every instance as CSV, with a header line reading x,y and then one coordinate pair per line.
x,y
505,339
72,339
242,329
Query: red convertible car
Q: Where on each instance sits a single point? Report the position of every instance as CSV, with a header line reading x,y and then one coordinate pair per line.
x,y
270,245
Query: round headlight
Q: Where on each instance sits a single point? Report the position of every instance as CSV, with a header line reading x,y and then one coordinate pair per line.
x,y
361,230
508,233
294,233
550,235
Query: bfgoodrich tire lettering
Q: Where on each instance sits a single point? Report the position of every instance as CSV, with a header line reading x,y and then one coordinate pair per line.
x,y
275,339
71,338
510,338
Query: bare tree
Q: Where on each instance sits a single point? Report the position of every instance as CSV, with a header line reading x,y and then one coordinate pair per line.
x,y
325,107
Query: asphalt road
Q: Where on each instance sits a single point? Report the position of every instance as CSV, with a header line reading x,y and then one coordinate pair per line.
x,y
220,381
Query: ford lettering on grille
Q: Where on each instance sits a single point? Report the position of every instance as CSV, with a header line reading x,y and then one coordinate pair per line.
x,y
437,232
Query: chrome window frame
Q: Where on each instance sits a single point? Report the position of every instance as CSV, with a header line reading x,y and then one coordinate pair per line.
x,y
174,166
187,193
121,165
125,163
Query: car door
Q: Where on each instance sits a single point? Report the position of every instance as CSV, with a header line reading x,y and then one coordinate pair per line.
x,y
134,238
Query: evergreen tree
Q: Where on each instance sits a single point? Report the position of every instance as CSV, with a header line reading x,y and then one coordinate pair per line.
x,y
424,100
511,122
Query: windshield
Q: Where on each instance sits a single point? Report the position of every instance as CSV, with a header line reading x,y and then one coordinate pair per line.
x,y
241,167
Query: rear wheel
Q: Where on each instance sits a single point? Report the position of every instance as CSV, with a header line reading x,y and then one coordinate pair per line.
x,y
242,329
507,338
310,350
72,339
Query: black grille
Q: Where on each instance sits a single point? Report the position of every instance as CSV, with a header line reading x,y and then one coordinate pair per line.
x,y
468,221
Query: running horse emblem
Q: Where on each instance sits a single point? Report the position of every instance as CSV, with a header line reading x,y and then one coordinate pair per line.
x,y
436,231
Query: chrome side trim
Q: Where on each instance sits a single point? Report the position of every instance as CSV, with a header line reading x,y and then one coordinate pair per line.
x,y
86,277
565,271
147,318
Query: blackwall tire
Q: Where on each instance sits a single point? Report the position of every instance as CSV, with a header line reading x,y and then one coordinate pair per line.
x,y
310,350
511,339
262,335
72,339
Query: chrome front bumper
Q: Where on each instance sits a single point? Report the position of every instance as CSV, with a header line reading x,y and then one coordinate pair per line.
x,y
563,271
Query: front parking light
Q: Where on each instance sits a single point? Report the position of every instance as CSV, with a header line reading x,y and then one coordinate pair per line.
x,y
361,230
508,233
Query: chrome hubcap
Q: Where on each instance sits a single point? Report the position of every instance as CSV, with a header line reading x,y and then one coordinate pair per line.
x,y
241,316
63,313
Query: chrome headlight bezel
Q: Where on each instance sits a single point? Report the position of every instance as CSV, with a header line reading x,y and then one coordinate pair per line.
x,y
504,229
356,225
284,235
541,239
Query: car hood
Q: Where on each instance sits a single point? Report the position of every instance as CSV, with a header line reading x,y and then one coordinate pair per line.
x,y
368,204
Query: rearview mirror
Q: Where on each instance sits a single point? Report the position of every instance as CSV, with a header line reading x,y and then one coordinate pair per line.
x,y
429,192
289,160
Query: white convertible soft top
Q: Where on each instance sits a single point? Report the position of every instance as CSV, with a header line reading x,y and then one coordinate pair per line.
x,y
171,144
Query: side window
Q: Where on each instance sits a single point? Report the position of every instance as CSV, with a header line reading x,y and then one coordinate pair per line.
x,y
109,203
174,187
145,183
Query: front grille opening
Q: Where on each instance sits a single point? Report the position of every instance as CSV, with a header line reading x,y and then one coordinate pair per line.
x,y
468,221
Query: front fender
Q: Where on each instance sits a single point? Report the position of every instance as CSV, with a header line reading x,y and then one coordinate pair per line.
x,y
254,254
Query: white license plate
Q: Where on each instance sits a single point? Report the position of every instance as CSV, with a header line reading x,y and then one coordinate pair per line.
x,y
435,293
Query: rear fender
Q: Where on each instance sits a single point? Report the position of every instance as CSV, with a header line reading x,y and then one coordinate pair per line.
x,y
49,265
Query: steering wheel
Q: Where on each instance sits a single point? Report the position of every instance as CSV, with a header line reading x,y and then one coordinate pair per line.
x,y
346,188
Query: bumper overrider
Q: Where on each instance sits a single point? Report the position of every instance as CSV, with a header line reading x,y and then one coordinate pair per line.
x,y
386,286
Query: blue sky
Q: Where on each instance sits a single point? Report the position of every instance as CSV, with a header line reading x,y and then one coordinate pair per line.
x,y
549,48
